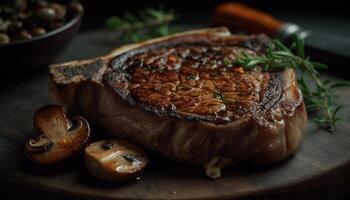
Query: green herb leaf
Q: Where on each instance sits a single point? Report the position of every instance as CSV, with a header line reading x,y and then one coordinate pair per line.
x,y
148,23
340,84
253,63
227,61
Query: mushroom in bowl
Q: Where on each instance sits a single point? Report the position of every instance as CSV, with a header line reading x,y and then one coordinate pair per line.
x,y
34,33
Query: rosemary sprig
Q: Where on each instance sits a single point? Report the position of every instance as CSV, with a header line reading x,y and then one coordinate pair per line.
x,y
318,96
148,23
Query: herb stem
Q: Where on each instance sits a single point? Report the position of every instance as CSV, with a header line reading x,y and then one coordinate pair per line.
x,y
326,107
146,24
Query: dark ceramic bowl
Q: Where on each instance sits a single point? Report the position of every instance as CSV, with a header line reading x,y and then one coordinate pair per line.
x,y
38,52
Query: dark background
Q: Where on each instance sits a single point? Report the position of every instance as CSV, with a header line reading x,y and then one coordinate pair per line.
x,y
296,6
332,17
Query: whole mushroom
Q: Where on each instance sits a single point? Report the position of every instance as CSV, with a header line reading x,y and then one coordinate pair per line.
x,y
60,10
4,38
61,137
115,160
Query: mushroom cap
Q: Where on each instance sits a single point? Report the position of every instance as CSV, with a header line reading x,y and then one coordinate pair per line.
x,y
66,137
115,160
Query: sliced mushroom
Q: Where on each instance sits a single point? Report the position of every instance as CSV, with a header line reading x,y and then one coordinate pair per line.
x,y
61,137
115,160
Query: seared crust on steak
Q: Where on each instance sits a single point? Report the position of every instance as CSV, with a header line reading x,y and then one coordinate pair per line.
x,y
179,96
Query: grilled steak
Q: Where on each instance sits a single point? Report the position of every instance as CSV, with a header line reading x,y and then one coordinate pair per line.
x,y
181,96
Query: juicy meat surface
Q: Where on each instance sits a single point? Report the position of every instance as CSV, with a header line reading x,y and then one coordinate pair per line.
x,y
182,97
195,80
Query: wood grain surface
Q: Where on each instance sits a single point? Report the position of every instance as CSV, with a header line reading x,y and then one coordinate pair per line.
x,y
321,160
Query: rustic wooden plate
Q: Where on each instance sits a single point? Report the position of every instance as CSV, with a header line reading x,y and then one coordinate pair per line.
x,y
321,157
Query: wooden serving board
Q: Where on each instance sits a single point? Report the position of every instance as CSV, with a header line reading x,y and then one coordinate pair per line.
x,y
321,160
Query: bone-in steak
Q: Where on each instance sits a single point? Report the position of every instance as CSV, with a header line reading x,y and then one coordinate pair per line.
x,y
182,97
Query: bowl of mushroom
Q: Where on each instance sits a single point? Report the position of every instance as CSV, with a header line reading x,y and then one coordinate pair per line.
x,y
61,137
33,33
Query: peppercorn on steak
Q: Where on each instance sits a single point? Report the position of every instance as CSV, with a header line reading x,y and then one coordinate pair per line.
x,y
183,97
